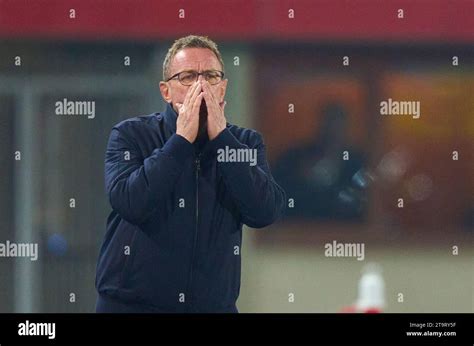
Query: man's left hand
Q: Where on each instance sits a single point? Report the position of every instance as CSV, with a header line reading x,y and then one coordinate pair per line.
x,y
216,121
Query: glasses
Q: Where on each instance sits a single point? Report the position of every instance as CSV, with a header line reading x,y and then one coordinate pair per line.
x,y
187,78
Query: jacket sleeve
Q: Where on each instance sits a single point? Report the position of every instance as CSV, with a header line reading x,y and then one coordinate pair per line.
x,y
135,185
261,201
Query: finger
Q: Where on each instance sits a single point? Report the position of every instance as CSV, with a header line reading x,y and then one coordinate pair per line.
x,y
195,94
207,88
193,91
212,100
190,93
213,109
208,95
197,104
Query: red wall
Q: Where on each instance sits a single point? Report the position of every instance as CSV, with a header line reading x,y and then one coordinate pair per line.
x,y
429,20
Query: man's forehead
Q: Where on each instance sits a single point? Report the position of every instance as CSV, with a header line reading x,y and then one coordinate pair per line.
x,y
195,59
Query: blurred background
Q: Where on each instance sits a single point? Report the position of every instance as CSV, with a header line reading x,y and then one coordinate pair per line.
x,y
311,84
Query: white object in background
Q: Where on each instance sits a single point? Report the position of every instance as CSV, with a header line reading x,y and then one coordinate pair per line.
x,y
371,297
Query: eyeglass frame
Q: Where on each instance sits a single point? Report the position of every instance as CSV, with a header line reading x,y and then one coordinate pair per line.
x,y
198,74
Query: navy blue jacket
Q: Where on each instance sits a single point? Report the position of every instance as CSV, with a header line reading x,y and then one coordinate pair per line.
x,y
174,237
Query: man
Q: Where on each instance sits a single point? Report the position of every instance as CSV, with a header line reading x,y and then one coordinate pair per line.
x,y
180,191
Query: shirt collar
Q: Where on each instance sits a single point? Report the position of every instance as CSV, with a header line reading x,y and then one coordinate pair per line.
x,y
170,116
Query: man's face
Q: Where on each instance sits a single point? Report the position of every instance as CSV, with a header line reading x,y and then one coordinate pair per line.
x,y
196,59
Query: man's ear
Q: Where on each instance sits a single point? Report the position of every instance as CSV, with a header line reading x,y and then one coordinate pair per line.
x,y
165,91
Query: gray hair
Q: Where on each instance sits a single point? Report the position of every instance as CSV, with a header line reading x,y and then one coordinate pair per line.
x,y
191,41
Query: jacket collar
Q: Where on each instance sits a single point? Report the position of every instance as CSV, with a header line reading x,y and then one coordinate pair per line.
x,y
170,116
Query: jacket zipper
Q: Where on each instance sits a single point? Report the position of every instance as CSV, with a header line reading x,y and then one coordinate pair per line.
x,y
198,168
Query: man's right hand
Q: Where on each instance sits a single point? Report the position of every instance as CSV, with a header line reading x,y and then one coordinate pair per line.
x,y
187,124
